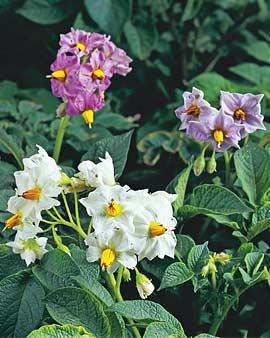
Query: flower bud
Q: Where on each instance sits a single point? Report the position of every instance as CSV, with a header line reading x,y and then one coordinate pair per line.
x,y
64,180
126,275
211,164
199,164
144,285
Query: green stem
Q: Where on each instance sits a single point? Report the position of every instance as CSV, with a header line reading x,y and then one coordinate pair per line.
x,y
115,285
76,208
227,160
60,136
214,279
67,209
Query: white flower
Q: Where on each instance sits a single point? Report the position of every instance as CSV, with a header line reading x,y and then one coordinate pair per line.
x,y
96,175
109,207
144,285
154,228
30,248
113,248
37,185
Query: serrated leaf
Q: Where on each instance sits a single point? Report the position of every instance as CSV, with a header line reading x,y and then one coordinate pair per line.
x,y
110,15
252,164
21,305
57,331
116,146
56,270
176,274
162,330
184,245
198,257
46,12
147,310
78,307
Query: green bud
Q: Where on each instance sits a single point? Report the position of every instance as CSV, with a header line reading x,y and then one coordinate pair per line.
x,y
199,164
64,180
211,164
126,275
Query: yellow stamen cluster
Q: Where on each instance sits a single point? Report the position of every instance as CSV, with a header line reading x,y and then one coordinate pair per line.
x,y
88,116
13,221
81,46
193,110
107,258
240,114
210,267
98,74
218,135
113,209
59,75
32,194
156,229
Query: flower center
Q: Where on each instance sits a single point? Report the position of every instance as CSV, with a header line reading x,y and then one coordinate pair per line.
x,y
88,116
32,194
107,258
13,221
156,229
240,114
31,244
81,46
218,135
113,209
59,75
193,110
98,74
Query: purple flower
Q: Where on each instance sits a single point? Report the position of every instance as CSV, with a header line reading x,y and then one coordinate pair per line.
x,y
245,110
220,129
96,73
195,108
120,61
76,41
84,101
64,76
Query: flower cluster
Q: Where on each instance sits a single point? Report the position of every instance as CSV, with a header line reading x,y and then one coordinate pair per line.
x,y
128,224
83,70
239,115
38,186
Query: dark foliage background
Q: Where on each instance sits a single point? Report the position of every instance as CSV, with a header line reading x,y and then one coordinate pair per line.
x,y
211,44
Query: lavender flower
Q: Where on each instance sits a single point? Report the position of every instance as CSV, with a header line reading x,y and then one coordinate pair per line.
x,y
195,108
245,110
220,129
64,79
76,41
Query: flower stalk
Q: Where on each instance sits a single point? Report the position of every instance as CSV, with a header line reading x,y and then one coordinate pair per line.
x,y
60,136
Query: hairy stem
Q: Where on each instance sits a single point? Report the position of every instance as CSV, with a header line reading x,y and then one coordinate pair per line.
x,y
227,161
60,136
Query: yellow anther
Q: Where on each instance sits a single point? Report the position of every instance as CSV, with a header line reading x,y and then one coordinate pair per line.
x,y
156,229
107,258
193,110
59,75
32,194
98,74
88,116
113,209
13,221
218,136
240,114
81,46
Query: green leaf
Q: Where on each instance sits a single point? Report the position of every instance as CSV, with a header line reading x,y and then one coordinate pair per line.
x,y
145,310
162,330
246,277
110,15
87,269
260,50
78,307
115,121
260,221
258,75
184,245
252,164
180,188
253,262
205,335
21,305
141,41
57,331
46,12
7,170
9,262
118,327
176,274
56,270
9,143
116,146
198,257
214,199
4,197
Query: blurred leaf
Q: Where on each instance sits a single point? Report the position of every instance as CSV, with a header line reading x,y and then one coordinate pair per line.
x,y
260,50
9,143
46,12
110,15
259,75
